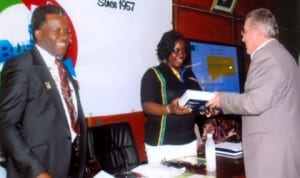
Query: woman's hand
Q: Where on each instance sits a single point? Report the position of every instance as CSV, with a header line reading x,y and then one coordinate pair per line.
x,y
161,109
178,110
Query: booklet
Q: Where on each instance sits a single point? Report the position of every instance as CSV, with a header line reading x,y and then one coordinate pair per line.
x,y
195,99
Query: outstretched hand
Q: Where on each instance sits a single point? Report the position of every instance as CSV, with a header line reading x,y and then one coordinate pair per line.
x,y
214,102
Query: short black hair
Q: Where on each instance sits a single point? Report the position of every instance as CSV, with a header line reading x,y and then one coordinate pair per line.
x,y
167,43
39,15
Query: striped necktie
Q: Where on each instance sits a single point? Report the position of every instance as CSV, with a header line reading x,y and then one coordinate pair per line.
x,y
66,92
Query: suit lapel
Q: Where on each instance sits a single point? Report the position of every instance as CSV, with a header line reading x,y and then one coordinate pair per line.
x,y
46,78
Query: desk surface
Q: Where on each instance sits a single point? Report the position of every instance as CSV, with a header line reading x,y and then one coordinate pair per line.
x,y
226,168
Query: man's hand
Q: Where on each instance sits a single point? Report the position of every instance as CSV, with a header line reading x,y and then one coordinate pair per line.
x,y
214,103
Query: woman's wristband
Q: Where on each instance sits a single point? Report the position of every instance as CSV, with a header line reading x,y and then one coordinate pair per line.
x,y
168,109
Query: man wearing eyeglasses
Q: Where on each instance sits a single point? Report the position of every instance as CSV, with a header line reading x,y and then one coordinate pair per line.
x,y
270,104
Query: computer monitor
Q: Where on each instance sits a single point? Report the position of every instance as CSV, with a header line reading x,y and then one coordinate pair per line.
x,y
218,67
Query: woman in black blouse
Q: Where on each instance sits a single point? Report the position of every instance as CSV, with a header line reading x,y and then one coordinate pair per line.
x,y
162,85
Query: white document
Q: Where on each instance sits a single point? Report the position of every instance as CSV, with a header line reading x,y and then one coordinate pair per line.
x,y
157,170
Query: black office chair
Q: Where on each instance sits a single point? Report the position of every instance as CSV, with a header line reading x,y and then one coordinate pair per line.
x,y
114,147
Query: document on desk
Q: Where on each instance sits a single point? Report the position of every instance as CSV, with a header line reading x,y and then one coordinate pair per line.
x,y
157,170
192,175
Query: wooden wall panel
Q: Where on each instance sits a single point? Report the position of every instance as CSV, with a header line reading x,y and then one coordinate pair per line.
x,y
288,18
203,26
291,40
287,15
202,4
238,27
244,6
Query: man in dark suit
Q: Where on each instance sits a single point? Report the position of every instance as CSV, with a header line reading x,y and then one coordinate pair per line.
x,y
35,128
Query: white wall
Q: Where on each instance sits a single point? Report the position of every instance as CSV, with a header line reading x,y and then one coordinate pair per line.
x,y
115,47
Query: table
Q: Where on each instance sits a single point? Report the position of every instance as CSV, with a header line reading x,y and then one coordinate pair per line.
x,y
226,168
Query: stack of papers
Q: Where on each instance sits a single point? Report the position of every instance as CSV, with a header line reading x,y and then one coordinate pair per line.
x,y
229,149
157,170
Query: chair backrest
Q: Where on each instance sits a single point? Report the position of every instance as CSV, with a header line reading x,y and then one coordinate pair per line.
x,y
114,147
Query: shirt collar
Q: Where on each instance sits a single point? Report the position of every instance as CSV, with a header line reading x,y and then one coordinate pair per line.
x,y
48,58
259,47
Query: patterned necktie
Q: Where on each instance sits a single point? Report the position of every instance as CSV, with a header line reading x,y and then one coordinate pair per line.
x,y
66,92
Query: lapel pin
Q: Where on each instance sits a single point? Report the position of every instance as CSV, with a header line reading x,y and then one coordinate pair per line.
x,y
48,85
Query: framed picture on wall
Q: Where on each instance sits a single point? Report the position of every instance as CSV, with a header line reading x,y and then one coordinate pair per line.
x,y
223,5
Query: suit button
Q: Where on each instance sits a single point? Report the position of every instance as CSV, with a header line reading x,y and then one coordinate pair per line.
x,y
69,137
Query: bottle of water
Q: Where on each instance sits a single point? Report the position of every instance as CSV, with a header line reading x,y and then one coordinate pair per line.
x,y
210,154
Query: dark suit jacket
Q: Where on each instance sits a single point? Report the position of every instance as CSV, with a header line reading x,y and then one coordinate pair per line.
x,y
33,127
